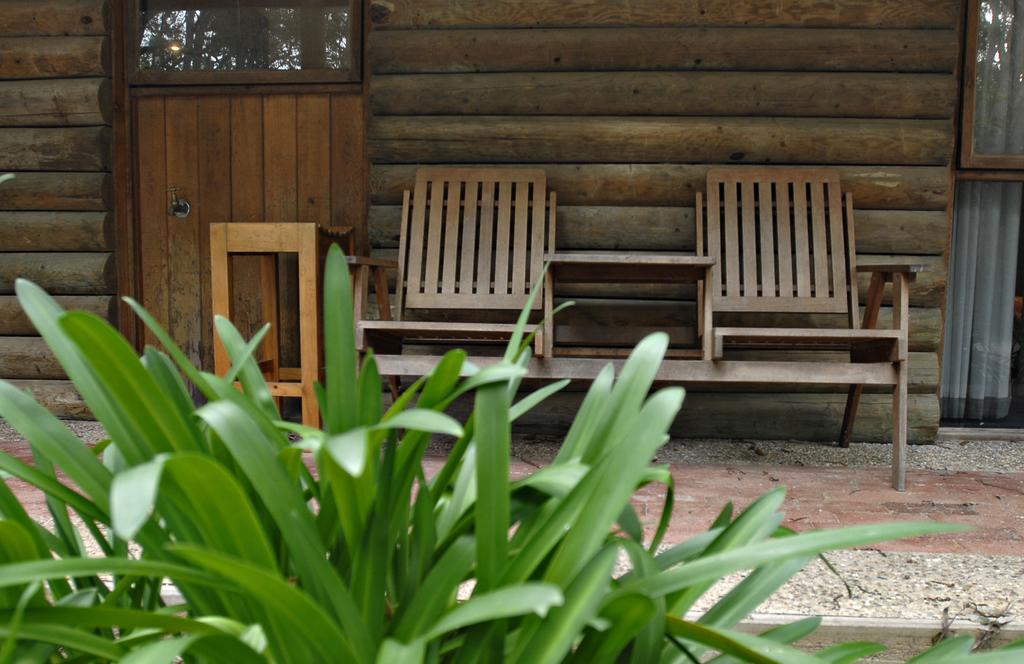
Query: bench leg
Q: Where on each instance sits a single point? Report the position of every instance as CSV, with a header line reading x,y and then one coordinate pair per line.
x,y
899,427
850,414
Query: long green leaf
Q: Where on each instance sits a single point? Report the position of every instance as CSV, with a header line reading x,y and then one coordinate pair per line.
x,y
217,647
257,457
54,440
493,435
290,606
70,639
536,598
848,653
437,591
342,390
746,647
201,488
718,565
549,640
245,366
152,417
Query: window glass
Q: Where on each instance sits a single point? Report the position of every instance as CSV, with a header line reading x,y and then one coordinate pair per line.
x,y
999,79
242,35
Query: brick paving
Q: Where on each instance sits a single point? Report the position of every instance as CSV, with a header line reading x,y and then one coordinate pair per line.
x,y
991,503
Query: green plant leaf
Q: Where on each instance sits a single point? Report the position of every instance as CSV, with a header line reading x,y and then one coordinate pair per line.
x,y
947,650
197,377
370,400
750,556
219,513
437,591
535,398
349,450
293,608
627,615
244,366
133,496
493,436
342,391
396,652
257,457
535,598
848,653
30,594
65,637
422,419
515,342
140,402
589,416
54,440
746,647
549,640
755,524
168,651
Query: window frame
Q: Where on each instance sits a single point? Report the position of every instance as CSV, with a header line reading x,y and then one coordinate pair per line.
x,y
968,158
139,77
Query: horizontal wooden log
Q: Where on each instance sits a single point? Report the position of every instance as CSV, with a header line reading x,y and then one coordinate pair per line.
x,y
58,396
13,320
54,17
583,227
498,139
61,273
83,192
55,102
845,95
27,357
54,57
56,231
764,416
872,187
664,49
551,13
64,149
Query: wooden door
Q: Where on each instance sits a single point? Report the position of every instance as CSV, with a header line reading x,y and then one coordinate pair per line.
x,y
238,158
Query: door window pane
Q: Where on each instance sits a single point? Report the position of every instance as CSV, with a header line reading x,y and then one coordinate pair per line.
x,y
999,79
242,35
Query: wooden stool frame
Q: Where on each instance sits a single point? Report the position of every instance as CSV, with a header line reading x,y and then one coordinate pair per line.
x,y
310,242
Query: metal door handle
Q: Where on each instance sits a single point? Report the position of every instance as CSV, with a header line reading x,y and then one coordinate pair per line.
x,y
180,207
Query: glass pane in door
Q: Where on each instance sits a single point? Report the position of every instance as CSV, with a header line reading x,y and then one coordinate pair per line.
x,y
243,35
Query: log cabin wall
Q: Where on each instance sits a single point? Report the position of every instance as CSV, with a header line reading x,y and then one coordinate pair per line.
x,y
56,222
626,105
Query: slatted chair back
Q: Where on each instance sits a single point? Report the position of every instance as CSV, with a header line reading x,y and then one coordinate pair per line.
x,y
783,239
474,238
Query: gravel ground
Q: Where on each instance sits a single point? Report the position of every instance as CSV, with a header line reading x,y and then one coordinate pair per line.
x,y
900,585
943,456
877,585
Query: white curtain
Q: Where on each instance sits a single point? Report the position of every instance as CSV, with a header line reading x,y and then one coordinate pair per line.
x,y
979,309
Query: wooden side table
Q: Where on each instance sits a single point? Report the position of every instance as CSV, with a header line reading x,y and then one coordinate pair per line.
x,y
605,268
310,241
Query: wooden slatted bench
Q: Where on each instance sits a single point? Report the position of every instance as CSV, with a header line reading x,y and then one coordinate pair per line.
x,y
776,241
471,239
785,244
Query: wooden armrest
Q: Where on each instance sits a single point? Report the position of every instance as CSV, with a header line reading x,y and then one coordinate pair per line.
x,y
902,268
370,262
